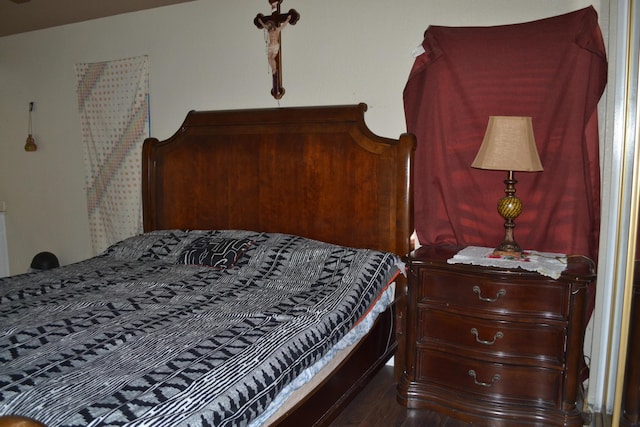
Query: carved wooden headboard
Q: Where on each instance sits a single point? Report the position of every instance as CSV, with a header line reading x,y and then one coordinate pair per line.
x,y
317,172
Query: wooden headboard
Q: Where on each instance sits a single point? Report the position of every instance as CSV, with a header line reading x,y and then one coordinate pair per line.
x,y
317,172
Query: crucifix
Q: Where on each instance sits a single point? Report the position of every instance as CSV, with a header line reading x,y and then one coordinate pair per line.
x,y
273,26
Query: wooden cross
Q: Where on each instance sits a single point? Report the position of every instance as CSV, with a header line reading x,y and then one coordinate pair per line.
x,y
273,25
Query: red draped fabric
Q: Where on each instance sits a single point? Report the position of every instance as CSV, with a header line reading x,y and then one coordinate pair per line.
x,y
553,70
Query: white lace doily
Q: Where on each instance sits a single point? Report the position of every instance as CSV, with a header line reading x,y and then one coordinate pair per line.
x,y
546,263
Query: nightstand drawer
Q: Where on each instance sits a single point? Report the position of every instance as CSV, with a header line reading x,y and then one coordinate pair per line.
x,y
539,298
490,381
522,342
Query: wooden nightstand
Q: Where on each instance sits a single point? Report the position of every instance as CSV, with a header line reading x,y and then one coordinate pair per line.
x,y
492,346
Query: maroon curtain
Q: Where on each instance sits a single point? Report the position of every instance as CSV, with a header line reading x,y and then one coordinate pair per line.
x,y
553,70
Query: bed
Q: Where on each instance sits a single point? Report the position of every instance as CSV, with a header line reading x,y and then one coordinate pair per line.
x,y
309,190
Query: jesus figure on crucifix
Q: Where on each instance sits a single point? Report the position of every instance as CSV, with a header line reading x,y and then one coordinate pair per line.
x,y
272,26
273,29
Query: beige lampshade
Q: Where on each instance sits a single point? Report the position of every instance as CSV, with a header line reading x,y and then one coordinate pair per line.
x,y
508,145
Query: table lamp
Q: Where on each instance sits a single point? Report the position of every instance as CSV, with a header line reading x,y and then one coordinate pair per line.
x,y
509,145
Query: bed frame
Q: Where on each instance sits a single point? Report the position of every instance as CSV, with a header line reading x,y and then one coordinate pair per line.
x,y
317,172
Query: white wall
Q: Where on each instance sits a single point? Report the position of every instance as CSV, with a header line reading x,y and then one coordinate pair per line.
x,y
204,54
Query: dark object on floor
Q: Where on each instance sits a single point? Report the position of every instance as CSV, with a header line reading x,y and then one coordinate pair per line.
x,y
44,261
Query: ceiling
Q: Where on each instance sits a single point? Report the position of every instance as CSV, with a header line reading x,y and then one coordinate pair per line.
x,y
19,16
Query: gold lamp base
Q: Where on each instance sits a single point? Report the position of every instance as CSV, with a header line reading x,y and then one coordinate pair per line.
x,y
509,207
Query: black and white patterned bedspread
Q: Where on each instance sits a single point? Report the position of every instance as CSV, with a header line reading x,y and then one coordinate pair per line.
x,y
138,336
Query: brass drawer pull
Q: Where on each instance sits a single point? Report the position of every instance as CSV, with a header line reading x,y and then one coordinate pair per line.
x,y
501,293
498,335
494,379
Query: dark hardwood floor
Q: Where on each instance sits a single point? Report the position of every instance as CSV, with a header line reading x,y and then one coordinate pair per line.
x,y
376,406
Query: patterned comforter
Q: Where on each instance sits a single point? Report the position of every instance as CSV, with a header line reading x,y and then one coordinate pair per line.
x,y
177,328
